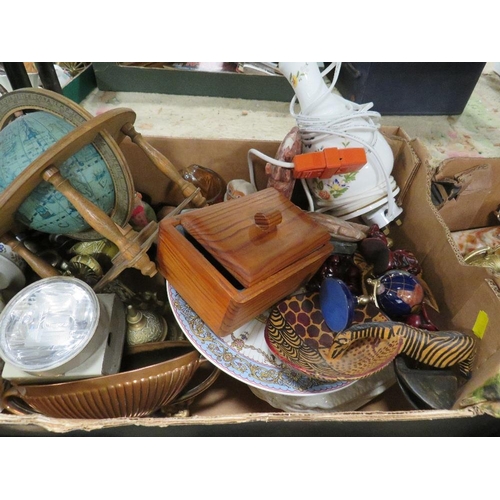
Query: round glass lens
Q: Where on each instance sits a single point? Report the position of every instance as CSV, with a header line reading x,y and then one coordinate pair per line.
x,y
48,323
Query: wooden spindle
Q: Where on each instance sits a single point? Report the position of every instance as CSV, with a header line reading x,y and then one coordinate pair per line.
x,y
101,222
164,165
39,266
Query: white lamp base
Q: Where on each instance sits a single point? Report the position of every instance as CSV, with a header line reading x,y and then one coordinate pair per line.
x,y
379,216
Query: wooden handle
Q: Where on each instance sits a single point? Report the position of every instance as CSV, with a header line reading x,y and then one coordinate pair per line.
x,y
100,221
39,266
267,221
13,402
164,165
195,391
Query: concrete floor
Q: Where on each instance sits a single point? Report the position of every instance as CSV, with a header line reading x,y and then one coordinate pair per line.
x,y
473,133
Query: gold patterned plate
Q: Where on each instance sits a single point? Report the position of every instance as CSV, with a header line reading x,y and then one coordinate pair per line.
x,y
245,355
297,334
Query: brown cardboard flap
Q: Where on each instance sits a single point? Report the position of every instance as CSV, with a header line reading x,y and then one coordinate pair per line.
x,y
460,290
474,207
405,153
478,197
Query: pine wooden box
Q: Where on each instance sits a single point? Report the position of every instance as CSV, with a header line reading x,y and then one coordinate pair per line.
x,y
228,269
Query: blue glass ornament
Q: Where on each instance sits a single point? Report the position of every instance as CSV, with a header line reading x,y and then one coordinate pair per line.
x,y
337,304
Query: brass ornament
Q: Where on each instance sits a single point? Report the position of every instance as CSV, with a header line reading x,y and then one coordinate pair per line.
x,y
85,268
95,248
488,257
144,327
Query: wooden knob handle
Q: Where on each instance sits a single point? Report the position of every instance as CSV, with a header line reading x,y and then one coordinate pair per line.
x,y
267,221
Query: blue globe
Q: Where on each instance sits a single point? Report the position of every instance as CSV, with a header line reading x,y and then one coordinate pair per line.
x,y
399,293
45,209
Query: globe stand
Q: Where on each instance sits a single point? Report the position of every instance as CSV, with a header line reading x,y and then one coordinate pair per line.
x,y
20,101
45,270
113,125
132,246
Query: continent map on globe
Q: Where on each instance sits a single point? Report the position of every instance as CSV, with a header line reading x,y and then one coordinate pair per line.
x,y
21,142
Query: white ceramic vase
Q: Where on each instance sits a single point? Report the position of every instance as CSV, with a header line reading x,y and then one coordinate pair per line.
x,y
328,120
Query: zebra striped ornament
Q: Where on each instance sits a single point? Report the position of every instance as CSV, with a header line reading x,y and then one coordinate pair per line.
x,y
441,349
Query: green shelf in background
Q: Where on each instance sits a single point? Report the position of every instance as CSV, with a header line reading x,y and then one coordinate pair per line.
x,y
81,86
111,76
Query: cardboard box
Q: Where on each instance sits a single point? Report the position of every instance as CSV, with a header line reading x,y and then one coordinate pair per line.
x,y
473,207
230,408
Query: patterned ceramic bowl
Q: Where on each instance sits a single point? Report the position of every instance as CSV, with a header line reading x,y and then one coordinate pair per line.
x,y
152,375
16,259
12,268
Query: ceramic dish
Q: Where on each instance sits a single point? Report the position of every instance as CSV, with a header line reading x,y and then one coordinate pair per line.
x,y
7,252
245,355
152,375
11,275
349,398
297,333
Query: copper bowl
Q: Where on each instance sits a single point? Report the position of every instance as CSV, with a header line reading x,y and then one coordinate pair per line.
x,y
151,376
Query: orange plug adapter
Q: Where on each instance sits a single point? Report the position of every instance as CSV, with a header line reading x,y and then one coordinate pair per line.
x,y
328,162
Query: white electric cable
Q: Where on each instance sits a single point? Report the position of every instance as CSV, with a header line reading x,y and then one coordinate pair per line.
x,y
278,163
309,197
359,117
314,129
262,156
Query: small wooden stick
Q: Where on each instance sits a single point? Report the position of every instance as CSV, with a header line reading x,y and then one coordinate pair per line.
x,y
179,208
39,266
